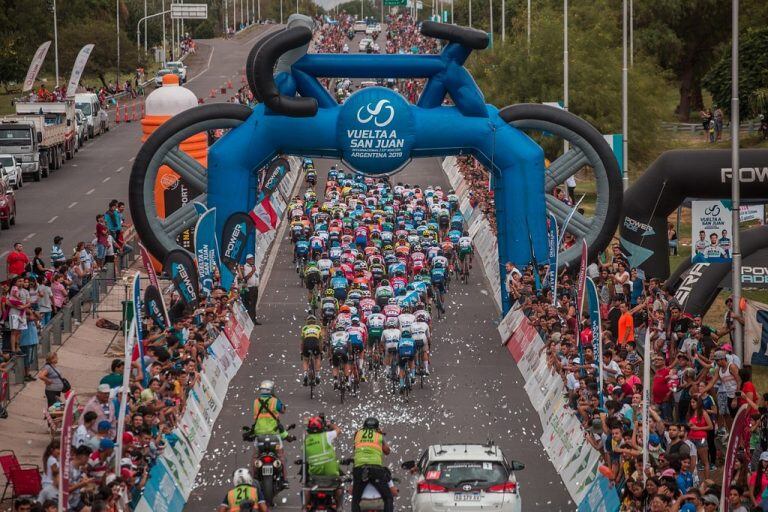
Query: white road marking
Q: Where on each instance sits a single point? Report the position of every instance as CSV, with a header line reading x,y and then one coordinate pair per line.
x,y
72,205
106,179
207,66
29,236
90,192
119,169
131,159
53,219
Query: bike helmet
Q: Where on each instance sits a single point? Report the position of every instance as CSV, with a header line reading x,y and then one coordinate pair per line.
x,y
371,423
421,316
465,233
392,302
311,319
315,425
375,309
355,320
242,477
406,333
329,292
267,387
339,273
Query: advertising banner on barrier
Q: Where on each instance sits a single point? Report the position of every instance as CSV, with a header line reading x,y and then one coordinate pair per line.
x,y
243,319
161,492
601,496
234,332
194,426
222,351
138,350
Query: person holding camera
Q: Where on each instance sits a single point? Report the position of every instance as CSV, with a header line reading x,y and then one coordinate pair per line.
x,y
370,449
319,451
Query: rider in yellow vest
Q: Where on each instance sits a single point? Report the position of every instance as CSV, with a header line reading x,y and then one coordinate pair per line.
x,y
244,495
320,453
267,409
370,449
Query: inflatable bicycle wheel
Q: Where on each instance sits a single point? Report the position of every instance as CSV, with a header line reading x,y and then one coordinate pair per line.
x,y
162,148
589,153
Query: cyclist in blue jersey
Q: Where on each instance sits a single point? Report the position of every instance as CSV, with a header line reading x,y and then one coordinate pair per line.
x,y
339,285
406,351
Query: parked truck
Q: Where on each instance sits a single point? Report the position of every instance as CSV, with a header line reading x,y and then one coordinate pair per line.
x,y
56,113
38,141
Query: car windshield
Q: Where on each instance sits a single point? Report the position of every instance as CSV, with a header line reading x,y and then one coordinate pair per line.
x,y
85,107
6,161
454,474
14,136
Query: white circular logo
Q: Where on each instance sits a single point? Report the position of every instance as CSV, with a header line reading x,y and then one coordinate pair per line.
x,y
373,113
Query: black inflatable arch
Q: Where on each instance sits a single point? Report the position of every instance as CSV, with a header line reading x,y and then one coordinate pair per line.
x,y
696,285
673,177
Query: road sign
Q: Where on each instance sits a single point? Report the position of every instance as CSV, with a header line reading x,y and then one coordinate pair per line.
x,y
189,11
393,3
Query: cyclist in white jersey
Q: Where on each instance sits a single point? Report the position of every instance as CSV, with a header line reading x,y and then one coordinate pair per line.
x,y
420,334
390,337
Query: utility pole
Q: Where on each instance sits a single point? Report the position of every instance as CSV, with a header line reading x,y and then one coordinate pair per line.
x,y
738,333
529,26
145,27
470,13
565,63
624,99
164,49
503,22
117,74
56,42
226,17
631,33
490,9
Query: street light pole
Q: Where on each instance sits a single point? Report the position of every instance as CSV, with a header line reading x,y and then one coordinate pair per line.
x,y
117,74
529,26
164,48
56,42
490,8
624,99
470,13
145,28
565,63
503,22
738,342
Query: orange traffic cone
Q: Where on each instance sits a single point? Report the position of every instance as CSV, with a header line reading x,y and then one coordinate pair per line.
x,y
135,114
126,119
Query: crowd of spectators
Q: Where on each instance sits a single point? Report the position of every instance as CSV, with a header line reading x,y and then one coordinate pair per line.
x,y
36,288
698,384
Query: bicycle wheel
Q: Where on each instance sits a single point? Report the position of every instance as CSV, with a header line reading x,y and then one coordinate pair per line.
x,y
311,375
341,384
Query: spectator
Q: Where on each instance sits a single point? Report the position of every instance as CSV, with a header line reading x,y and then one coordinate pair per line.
x,y
102,234
17,263
57,253
83,432
672,237
114,379
102,406
54,382
251,278
51,463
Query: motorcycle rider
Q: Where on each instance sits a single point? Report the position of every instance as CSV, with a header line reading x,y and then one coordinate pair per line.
x,y
370,449
244,495
267,409
320,453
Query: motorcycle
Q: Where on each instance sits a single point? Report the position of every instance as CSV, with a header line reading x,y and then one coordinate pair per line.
x,y
267,467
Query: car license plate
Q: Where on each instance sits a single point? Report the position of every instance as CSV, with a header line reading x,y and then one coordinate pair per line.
x,y
266,470
466,496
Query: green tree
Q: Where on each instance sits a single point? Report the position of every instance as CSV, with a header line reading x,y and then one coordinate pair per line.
x,y
753,74
511,74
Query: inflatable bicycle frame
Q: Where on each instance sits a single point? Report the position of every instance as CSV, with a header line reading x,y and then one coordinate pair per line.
x,y
376,132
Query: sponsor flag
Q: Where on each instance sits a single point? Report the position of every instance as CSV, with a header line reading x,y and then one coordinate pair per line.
x,y
264,216
66,451
272,176
569,217
77,69
756,332
180,266
147,261
129,342
646,395
553,243
35,65
582,279
154,307
738,441
234,244
138,349
594,324
205,250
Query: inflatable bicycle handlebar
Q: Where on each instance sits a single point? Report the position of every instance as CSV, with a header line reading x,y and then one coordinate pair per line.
x,y
376,132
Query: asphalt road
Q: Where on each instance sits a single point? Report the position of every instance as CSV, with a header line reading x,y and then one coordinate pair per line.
x,y
67,202
475,393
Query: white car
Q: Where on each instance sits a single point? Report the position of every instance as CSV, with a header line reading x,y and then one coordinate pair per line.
x,y
359,26
11,171
82,127
364,42
159,76
370,29
179,68
460,477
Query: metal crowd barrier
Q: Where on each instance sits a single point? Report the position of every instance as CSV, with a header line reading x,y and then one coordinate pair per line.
x,y
70,316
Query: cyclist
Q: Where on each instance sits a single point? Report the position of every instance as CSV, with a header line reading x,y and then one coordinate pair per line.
x,y
329,306
244,495
358,337
370,449
375,324
312,279
340,349
339,285
325,264
465,248
319,452
391,337
383,293
300,249
438,283
311,335
420,333
406,351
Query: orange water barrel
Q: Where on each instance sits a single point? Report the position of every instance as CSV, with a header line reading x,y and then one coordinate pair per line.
x,y
172,192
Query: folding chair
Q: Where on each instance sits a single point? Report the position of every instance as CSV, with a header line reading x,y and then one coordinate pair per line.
x,y
26,481
8,462
20,478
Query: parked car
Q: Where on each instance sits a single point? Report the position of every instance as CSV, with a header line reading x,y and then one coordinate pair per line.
x,y
11,170
89,103
82,127
464,477
159,76
7,206
179,68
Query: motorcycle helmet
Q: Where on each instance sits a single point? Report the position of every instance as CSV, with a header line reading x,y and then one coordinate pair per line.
x,y
315,425
371,423
242,477
267,387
